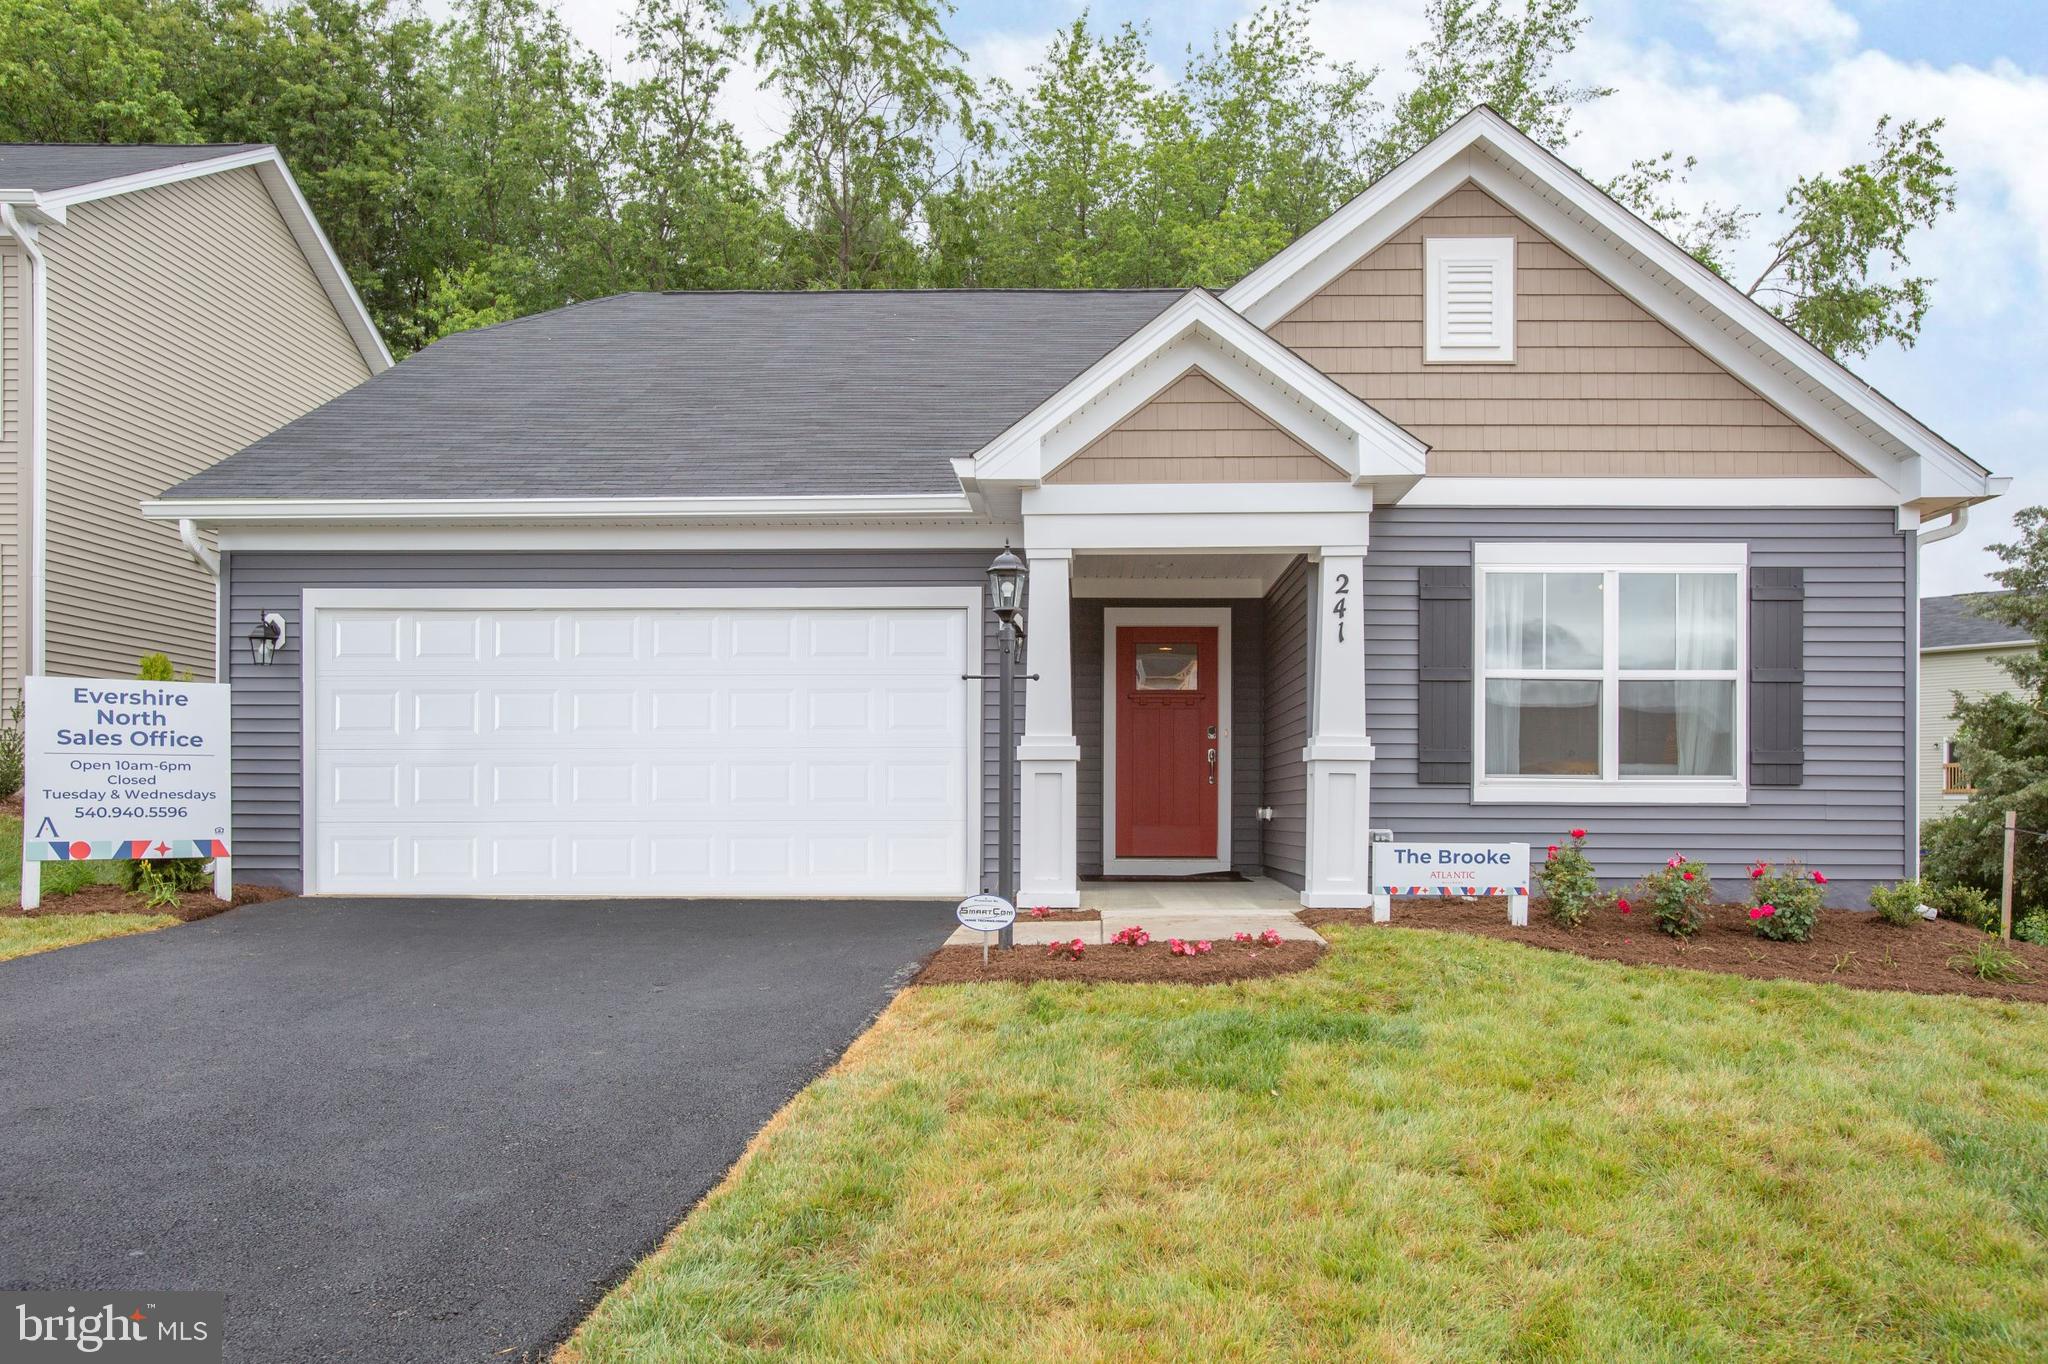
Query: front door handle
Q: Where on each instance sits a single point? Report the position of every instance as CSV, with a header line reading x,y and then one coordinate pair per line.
x,y
1212,767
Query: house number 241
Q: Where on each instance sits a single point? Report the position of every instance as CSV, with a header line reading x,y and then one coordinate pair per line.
x,y
1340,603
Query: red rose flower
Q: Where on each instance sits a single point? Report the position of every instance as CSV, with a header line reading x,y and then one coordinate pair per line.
x,y
1686,875
1819,880
1621,905
1578,833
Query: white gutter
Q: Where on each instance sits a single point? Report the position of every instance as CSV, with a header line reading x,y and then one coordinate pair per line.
x,y
38,445
1957,519
208,560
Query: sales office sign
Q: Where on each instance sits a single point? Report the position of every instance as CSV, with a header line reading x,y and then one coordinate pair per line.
x,y
124,769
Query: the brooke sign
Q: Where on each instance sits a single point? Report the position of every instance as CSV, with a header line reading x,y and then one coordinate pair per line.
x,y
1465,869
119,770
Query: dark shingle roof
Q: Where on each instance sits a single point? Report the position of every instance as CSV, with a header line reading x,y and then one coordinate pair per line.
x,y
47,166
1953,623
696,395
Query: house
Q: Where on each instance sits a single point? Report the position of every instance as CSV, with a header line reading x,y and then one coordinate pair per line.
x,y
1960,651
160,307
1480,512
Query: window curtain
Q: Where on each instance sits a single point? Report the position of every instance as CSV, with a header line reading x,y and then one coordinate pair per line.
x,y
1706,640
1514,622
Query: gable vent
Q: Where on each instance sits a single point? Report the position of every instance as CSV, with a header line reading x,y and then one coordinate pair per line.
x,y
1469,299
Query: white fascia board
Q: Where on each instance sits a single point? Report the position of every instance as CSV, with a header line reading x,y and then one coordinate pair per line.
x,y
1183,499
1021,455
291,206
921,534
1684,294
1177,532
1652,492
454,511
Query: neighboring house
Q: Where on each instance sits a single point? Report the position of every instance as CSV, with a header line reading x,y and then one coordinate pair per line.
x,y
1959,653
1480,512
160,307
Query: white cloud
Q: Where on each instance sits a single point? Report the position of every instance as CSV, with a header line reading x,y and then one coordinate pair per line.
x,y
1774,26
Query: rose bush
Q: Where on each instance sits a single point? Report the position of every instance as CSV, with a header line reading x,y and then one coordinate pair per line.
x,y
1785,901
1569,887
1678,894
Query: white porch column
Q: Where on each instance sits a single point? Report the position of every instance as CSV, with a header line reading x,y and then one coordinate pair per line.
x,y
1339,753
1048,758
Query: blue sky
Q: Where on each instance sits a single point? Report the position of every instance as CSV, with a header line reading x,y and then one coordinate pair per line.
x,y
1760,91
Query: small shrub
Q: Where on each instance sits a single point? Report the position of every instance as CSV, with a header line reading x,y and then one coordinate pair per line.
x,y
2033,928
1678,895
1073,951
1134,936
13,750
1990,960
156,668
1569,886
159,883
1900,904
1785,902
1966,905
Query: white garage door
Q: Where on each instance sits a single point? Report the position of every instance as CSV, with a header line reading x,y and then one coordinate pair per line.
x,y
688,751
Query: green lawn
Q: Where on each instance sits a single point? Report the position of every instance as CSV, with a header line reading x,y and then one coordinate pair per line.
x,y
1431,1147
19,937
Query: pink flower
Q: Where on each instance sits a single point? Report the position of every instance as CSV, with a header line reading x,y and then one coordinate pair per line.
x,y
1078,946
1552,856
1271,937
1763,911
1241,937
1040,911
1578,833
1203,946
1819,880
1757,870
1677,861
1685,875
1621,905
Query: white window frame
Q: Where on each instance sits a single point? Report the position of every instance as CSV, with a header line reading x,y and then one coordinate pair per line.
x,y
1611,559
1437,252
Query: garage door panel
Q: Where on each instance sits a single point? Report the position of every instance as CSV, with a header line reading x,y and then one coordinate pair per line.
x,y
674,752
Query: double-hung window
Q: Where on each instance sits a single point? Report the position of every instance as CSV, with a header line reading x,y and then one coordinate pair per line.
x,y
1610,673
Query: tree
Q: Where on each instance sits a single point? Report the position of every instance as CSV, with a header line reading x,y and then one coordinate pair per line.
x,y
78,71
2003,740
875,89
1836,273
1478,53
692,215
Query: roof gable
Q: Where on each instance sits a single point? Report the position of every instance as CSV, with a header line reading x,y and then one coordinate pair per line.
x,y
1641,263
1196,431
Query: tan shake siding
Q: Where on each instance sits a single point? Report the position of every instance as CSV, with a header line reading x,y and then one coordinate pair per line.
x,y
1597,388
184,324
14,474
1195,431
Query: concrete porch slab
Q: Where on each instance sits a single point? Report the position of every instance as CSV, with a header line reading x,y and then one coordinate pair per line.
x,y
1169,909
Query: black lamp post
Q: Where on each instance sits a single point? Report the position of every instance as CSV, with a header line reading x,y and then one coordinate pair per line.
x,y
1006,587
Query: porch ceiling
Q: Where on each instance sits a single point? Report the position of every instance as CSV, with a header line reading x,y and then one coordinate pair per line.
x,y
1178,575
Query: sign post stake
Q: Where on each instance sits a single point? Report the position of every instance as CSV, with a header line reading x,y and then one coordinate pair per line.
x,y
1518,911
31,881
223,878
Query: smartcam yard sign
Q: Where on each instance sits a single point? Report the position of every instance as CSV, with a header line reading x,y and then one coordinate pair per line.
x,y
122,770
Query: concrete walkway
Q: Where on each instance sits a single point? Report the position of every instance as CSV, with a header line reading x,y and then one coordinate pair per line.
x,y
1169,909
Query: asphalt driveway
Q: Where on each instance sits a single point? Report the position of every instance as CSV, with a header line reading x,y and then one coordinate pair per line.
x,y
395,1130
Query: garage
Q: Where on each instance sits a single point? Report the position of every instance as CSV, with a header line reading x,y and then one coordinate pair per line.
x,y
694,743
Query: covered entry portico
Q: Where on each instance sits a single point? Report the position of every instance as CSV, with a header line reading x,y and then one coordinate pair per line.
x,y
1200,498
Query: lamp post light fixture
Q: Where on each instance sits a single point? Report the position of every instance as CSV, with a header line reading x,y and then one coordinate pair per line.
x,y
267,638
1007,578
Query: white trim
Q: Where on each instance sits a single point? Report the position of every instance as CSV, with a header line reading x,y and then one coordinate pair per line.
x,y
37,339
450,511
312,601
291,205
1561,491
1193,499
2003,645
1611,559
736,534
1376,447
1709,311
1115,618
1497,254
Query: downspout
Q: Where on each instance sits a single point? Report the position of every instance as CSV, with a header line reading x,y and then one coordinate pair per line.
x,y
208,560
1957,519
38,447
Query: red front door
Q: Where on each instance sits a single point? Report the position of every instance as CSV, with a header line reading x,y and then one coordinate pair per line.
x,y
1167,747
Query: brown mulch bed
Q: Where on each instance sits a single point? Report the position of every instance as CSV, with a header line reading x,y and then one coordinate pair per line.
x,y
1116,963
113,900
1847,948
1060,916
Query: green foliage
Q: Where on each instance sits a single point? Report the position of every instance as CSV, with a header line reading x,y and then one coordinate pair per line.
x,y
1900,904
1569,887
158,883
1793,898
1966,905
155,668
13,752
1678,894
2033,929
487,167
1990,960
1836,273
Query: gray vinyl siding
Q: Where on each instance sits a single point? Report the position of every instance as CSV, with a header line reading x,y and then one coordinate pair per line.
x,y
1247,747
1286,726
1850,817
266,700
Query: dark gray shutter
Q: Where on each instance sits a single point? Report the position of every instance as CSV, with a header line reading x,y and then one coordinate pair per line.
x,y
1444,719
1777,676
